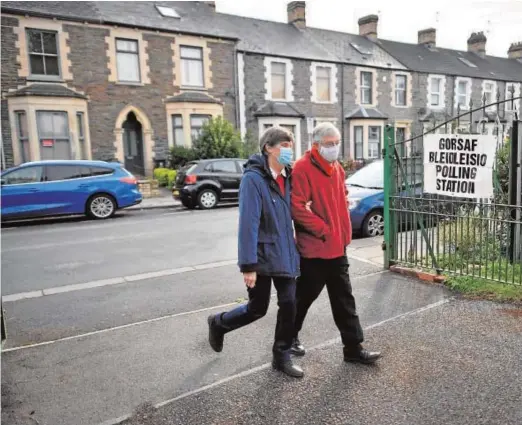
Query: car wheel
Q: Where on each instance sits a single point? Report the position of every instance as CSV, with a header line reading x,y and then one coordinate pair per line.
x,y
374,224
101,207
207,199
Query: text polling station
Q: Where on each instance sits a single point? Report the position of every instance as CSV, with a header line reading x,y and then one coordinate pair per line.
x,y
459,165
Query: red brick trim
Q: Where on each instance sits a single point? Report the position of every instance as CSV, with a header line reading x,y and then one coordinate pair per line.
x,y
418,274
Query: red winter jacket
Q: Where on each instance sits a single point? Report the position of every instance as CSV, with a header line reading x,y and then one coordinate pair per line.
x,y
326,230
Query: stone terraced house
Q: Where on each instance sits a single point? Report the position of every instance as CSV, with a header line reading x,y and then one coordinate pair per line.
x,y
128,80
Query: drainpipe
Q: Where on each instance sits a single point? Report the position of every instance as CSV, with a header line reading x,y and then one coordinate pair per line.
x,y
343,144
236,88
3,151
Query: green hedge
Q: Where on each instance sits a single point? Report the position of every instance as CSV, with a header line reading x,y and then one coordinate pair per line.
x,y
165,177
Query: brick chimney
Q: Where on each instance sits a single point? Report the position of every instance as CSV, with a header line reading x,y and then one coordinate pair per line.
x,y
368,26
297,14
428,37
515,51
477,43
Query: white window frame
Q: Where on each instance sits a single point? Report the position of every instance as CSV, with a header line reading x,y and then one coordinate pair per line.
x,y
262,121
289,87
200,60
516,94
396,90
333,82
136,53
493,93
361,87
469,84
442,87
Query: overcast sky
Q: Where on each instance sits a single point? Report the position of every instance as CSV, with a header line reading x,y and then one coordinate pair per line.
x,y
455,20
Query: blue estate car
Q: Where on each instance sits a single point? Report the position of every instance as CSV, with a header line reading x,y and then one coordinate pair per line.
x,y
49,188
366,199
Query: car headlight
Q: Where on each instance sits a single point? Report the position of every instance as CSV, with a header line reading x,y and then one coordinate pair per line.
x,y
353,203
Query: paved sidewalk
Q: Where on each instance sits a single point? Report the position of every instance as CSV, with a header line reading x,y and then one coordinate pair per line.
x,y
164,201
455,364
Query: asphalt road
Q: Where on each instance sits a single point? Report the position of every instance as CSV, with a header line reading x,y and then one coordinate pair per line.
x,y
105,316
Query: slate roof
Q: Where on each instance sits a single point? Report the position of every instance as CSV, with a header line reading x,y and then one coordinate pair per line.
x,y
366,113
278,109
274,38
192,96
54,90
254,35
446,61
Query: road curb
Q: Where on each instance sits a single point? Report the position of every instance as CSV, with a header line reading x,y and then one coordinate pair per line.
x,y
156,207
418,274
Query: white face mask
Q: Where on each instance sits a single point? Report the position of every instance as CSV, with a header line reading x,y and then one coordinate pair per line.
x,y
330,153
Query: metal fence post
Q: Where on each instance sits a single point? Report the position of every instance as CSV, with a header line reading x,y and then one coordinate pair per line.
x,y
513,189
389,238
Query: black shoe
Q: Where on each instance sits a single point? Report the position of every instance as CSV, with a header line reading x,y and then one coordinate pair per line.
x,y
215,335
288,368
297,348
361,356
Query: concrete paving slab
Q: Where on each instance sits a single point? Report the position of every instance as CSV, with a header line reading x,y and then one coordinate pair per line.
x,y
457,364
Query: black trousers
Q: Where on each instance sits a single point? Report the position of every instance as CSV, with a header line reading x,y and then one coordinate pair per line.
x,y
315,274
257,306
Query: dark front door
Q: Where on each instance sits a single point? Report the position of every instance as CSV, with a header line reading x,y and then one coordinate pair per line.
x,y
399,140
133,145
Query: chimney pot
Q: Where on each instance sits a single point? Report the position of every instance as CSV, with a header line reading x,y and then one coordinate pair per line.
x,y
515,51
296,11
368,26
428,37
477,43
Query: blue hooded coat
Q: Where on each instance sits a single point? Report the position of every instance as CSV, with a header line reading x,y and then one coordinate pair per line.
x,y
266,236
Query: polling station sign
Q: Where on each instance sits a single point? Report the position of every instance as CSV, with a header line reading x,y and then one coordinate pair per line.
x,y
459,165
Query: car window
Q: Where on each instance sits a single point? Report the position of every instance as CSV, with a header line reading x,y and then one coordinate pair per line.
x,y
209,167
101,171
370,176
65,172
224,167
23,175
241,165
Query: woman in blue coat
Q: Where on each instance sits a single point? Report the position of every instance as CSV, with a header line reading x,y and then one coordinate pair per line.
x,y
267,250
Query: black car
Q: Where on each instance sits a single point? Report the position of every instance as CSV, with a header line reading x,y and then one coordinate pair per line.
x,y
207,182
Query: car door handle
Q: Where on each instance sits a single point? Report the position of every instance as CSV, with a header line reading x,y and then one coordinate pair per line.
x,y
34,189
83,186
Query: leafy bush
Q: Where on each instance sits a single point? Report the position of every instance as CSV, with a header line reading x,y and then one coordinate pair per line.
x,y
218,139
250,145
180,155
171,178
161,175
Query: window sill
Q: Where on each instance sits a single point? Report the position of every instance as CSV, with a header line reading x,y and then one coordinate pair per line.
x,y
194,88
129,83
324,102
45,79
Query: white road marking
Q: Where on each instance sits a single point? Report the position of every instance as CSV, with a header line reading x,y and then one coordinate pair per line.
x,y
364,260
267,365
149,320
116,328
127,279
113,281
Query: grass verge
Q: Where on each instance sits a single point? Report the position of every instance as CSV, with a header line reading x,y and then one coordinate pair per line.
x,y
475,287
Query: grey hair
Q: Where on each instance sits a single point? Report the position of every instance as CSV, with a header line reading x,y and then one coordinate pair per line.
x,y
275,135
323,130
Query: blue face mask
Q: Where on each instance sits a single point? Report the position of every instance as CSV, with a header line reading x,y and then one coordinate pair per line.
x,y
286,155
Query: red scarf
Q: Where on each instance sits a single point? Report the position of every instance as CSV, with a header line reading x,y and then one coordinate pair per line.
x,y
327,167
280,180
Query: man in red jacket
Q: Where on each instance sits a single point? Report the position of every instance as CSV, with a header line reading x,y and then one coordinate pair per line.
x,y
323,231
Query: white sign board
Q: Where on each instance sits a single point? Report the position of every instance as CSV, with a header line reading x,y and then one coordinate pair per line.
x,y
310,125
459,165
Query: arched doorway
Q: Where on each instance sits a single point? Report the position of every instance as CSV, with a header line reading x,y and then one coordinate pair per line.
x,y
133,145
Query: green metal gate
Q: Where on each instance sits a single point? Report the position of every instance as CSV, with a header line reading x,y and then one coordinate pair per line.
x,y
457,236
